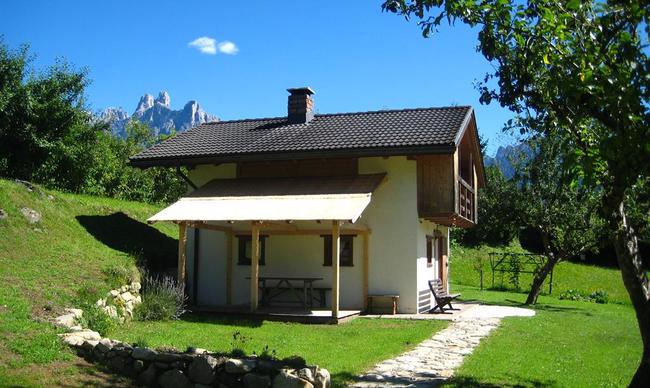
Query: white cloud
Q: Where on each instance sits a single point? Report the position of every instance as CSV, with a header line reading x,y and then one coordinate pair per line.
x,y
228,47
209,46
205,44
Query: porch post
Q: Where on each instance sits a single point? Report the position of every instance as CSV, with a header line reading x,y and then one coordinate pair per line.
x,y
255,262
182,241
336,244
229,268
366,270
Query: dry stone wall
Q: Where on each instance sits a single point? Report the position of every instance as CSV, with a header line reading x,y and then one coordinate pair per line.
x,y
193,368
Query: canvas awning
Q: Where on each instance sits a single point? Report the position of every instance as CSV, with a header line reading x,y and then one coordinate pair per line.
x,y
275,199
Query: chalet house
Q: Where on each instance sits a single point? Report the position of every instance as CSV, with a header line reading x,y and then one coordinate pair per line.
x,y
325,211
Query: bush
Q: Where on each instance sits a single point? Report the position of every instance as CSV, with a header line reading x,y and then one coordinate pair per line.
x,y
119,275
598,296
162,299
94,318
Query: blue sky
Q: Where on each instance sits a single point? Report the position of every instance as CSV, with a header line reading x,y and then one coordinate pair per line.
x,y
354,56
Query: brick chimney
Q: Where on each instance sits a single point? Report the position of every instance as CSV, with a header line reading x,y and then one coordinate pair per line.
x,y
301,105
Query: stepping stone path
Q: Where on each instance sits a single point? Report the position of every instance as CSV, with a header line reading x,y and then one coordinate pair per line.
x,y
435,360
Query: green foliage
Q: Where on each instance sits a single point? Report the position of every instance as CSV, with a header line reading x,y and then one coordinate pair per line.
x,y
119,275
598,296
94,318
47,135
162,299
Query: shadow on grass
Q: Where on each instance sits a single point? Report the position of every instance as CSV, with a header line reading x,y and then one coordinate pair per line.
x,y
123,233
463,381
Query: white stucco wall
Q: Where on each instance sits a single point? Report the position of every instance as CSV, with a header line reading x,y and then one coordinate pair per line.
x,y
397,246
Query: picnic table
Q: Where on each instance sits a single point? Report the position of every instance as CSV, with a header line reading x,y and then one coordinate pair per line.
x,y
301,288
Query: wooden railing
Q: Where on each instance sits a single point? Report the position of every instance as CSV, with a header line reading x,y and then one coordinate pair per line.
x,y
466,206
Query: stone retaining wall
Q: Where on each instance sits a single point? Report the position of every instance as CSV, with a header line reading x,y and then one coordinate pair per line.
x,y
193,368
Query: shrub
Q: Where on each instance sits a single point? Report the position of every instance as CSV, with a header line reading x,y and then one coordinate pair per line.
x,y
162,299
94,318
119,275
599,296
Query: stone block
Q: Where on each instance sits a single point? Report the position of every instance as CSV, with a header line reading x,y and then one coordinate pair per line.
x,y
202,369
174,378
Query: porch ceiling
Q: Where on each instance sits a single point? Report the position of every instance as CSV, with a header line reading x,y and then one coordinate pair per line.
x,y
275,199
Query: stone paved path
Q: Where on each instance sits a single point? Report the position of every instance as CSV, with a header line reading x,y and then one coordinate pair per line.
x,y
436,359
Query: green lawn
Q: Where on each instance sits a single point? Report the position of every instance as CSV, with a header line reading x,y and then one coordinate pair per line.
x,y
566,344
567,275
345,350
43,267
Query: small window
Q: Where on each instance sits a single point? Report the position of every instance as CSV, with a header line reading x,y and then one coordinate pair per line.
x,y
429,251
346,251
246,248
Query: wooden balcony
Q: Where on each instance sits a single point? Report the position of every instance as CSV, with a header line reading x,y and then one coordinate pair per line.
x,y
466,203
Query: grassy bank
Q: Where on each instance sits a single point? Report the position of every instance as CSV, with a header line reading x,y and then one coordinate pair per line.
x,y
45,265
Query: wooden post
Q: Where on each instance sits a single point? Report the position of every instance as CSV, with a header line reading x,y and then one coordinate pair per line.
x,y
336,253
182,241
255,264
228,268
366,269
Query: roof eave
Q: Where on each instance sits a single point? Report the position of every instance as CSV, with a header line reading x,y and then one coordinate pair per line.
x,y
267,156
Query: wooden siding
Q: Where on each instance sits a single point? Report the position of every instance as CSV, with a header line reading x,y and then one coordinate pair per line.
x,y
298,168
435,185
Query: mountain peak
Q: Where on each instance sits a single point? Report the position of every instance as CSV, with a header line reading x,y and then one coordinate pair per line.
x,y
157,113
145,103
164,99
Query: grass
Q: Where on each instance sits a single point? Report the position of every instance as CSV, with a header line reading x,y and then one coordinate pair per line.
x,y
346,350
43,268
566,344
566,276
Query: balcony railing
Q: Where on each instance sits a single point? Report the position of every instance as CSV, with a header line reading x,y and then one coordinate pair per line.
x,y
466,206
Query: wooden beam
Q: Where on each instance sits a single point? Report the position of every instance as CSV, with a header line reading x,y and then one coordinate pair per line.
x,y
274,225
203,225
336,263
366,268
182,241
229,258
255,263
304,232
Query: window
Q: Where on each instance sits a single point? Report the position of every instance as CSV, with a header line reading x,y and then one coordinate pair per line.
x,y
429,251
246,248
346,251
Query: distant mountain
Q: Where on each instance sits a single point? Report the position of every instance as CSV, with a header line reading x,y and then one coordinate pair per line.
x,y
157,113
505,156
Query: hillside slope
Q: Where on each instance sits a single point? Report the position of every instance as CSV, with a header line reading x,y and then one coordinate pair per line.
x,y
77,246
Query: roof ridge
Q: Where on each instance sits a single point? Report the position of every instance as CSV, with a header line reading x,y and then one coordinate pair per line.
x,y
342,114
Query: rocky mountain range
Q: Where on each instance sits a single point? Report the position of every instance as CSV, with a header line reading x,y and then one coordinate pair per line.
x,y
505,156
158,114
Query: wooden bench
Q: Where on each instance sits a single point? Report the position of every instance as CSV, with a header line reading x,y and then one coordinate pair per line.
x,y
441,296
392,297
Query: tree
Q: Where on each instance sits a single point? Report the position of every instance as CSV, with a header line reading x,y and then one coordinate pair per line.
x,y
41,114
577,70
563,216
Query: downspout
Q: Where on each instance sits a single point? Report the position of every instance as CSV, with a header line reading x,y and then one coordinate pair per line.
x,y
195,274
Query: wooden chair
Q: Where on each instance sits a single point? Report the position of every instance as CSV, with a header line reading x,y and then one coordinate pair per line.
x,y
441,296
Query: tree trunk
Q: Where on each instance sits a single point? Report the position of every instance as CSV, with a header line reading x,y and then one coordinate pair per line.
x,y
634,276
540,277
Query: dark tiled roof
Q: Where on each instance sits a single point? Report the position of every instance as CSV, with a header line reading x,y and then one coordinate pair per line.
x,y
344,134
